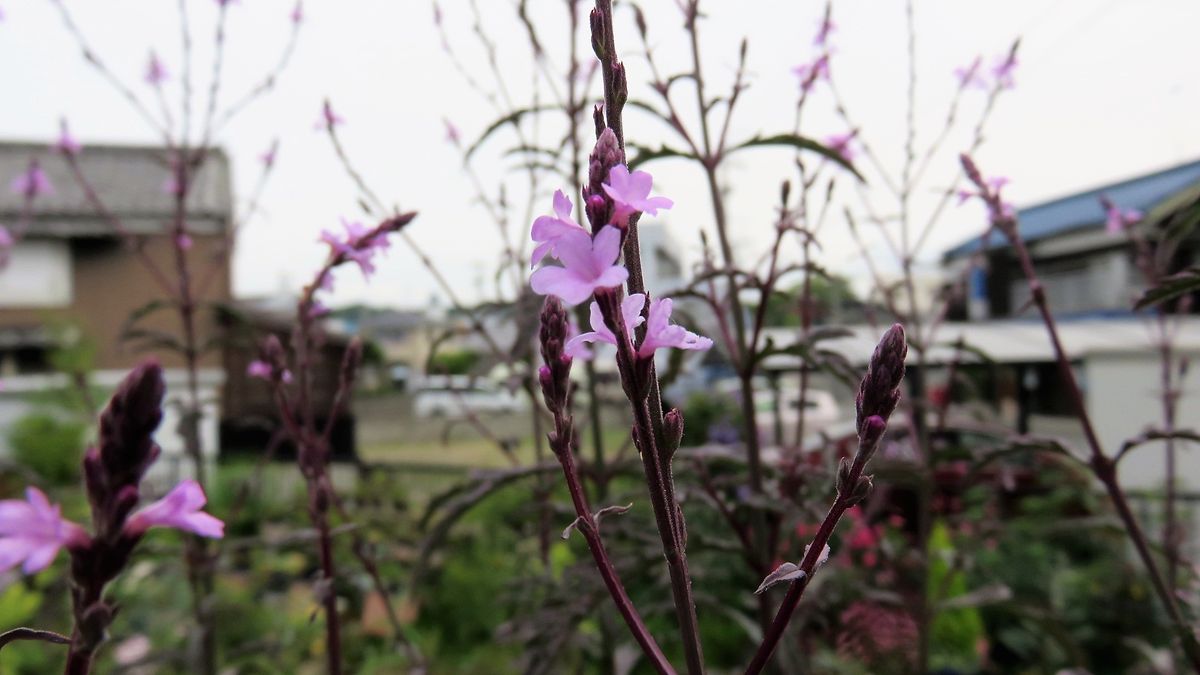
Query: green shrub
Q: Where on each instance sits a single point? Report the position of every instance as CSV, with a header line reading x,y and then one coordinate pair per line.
x,y
48,445
708,415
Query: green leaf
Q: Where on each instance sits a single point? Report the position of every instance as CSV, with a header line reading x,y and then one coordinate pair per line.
x,y
800,143
645,154
1182,283
512,118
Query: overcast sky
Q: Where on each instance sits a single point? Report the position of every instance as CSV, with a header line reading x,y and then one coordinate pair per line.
x,y
1106,89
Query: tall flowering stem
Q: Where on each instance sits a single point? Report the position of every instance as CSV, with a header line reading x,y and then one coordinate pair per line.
x,y
554,377
33,531
878,396
1104,467
296,407
637,376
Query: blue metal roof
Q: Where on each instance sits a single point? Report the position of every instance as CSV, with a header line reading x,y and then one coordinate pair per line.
x,y
1082,210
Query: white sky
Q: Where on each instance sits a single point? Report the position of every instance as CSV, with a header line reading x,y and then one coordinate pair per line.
x,y
1106,89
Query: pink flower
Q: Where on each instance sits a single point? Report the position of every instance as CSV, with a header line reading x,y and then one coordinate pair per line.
x,y
259,369
316,310
172,186
66,143
810,73
452,133
660,332
6,239
298,13
631,314
1117,220
329,119
824,29
840,143
268,157
588,264
548,230
1003,71
156,73
356,246
630,193
33,530
32,183
180,509
183,241
969,76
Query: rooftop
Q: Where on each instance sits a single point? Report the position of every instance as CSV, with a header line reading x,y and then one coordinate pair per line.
x,y
129,179
1082,210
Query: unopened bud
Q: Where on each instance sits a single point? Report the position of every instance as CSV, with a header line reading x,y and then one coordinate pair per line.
x,y
843,476
872,432
598,210
597,24
862,490
879,392
620,85
673,430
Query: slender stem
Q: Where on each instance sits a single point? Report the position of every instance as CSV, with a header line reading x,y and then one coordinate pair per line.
x,y
1102,465
648,414
333,638
588,526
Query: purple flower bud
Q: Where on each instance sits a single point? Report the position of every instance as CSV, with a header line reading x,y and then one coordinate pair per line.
x,y
879,392
673,429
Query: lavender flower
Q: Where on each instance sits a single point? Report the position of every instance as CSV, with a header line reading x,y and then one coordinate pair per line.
x,y
33,530
630,193
1004,69
268,157
548,230
179,509
33,183
969,76
588,264
1117,220
660,332
840,143
631,315
824,30
66,144
297,15
156,72
452,133
359,244
329,119
810,73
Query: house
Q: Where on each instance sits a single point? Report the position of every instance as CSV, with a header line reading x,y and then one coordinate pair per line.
x,y
71,268
1085,270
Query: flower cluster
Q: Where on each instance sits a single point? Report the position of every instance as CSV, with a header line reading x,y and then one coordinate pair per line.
x,y
33,530
1116,219
358,245
33,183
614,199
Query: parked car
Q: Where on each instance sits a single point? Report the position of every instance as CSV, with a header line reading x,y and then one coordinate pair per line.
x,y
456,398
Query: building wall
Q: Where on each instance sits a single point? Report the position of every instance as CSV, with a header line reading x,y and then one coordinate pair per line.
x,y
107,284
1123,397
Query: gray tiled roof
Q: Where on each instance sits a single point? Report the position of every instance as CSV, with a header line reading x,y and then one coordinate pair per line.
x,y
129,179
1082,210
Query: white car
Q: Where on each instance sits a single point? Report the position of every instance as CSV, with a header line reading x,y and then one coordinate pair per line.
x,y
453,399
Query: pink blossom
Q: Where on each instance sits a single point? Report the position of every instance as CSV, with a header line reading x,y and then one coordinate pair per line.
x,y
156,72
172,186
452,133
630,193
356,246
1003,71
1117,220
824,29
66,144
316,310
548,230
298,13
32,183
183,241
588,264
268,157
180,509
329,119
810,73
33,530
6,239
259,369
840,143
969,76
660,332
631,315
